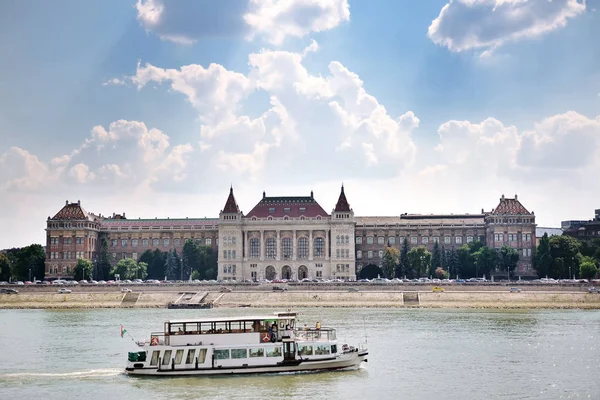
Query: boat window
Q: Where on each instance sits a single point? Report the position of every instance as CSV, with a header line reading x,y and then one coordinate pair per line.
x,y
274,351
167,358
176,329
201,356
305,350
257,352
205,327
178,356
192,328
322,349
331,335
154,359
190,356
239,353
334,348
222,354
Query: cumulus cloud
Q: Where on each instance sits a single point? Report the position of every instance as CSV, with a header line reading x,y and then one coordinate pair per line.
x,y
353,130
186,21
488,24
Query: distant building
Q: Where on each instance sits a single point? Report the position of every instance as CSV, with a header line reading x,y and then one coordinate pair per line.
x,y
286,237
583,230
539,232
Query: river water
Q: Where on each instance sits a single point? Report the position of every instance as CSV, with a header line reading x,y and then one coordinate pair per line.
x,y
414,354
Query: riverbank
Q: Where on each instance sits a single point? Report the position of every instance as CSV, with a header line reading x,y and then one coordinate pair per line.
x,y
310,298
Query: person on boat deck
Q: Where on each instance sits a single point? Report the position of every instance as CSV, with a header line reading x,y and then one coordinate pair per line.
x,y
318,327
273,333
288,332
305,327
180,332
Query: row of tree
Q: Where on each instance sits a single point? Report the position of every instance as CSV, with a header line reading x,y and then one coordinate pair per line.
x,y
195,262
561,257
470,260
22,264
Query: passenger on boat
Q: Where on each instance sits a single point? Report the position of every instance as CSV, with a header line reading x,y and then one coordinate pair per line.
x,y
273,332
318,327
288,333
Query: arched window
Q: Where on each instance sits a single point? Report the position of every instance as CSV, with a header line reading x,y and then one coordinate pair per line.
x,y
271,248
303,247
319,247
286,248
254,248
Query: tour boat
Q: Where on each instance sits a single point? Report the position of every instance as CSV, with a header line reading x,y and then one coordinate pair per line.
x,y
242,345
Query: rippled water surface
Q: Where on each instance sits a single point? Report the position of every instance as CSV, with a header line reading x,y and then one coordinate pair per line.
x,y
414,354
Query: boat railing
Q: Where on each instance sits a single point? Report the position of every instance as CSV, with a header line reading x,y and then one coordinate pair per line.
x,y
159,338
315,334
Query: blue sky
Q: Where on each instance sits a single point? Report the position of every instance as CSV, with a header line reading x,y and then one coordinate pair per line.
x,y
155,107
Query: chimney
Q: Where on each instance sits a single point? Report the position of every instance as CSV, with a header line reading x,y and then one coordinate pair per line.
x,y
502,198
113,215
123,215
516,197
264,194
66,202
78,202
312,195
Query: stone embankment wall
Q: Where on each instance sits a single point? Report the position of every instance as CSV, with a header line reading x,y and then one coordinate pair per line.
x,y
308,298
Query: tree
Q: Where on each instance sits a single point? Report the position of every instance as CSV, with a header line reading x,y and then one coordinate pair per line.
x,y
391,257
83,270
564,251
486,260
142,271
436,257
420,260
28,262
453,262
5,267
543,258
465,262
173,265
370,271
440,273
103,266
156,265
128,268
588,268
507,259
405,268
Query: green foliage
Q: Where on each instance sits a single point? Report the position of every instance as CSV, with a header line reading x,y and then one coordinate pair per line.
x,y
588,268
405,268
391,257
103,266
173,266
211,273
128,268
440,273
26,262
420,260
197,258
465,261
486,260
507,259
156,263
83,270
436,257
5,267
543,258
370,271
453,262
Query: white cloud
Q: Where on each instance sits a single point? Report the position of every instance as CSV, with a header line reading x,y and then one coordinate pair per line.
x,y
488,24
277,20
21,170
81,173
114,82
186,21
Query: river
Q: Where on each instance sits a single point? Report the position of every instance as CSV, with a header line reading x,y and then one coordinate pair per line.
x,y
414,354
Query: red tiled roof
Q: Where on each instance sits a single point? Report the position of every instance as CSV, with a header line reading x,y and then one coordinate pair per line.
x,y
231,205
73,211
510,207
342,204
293,207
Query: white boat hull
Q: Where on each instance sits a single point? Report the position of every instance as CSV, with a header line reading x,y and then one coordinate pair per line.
x,y
345,360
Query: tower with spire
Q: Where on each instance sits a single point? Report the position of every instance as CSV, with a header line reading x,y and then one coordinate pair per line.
x,y
343,260
230,238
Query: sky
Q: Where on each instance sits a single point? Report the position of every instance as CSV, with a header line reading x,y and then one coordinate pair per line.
x,y
154,108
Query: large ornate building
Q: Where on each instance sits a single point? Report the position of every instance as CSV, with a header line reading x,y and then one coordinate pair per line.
x,y
286,237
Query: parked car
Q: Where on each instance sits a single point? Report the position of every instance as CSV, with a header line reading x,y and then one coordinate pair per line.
x,y
281,288
592,290
9,291
126,290
225,290
515,290
64,290
437,289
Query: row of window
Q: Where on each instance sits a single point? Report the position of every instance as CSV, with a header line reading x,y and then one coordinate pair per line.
x,y
57,225
228,254
125,255
414,240
54,269
229,269
228,240
287,248
342,253
342,268
342,239
69,255
156,242
512,220
512,237
66,240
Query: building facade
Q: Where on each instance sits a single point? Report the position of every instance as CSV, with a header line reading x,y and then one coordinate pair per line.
x,y
286,237
583,230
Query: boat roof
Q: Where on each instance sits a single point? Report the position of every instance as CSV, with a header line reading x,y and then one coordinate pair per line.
x,y
264,317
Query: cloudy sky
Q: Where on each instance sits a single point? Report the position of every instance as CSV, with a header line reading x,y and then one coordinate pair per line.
x,y
156,107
